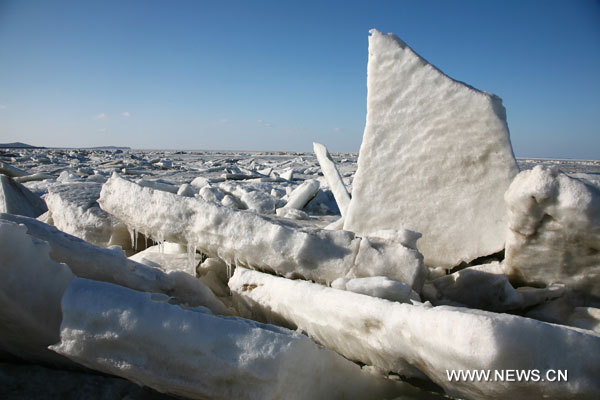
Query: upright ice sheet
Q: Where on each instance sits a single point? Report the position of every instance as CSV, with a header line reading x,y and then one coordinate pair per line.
x,y
436,158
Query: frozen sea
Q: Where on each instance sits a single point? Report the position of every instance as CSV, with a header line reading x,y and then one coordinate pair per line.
x,y
274,173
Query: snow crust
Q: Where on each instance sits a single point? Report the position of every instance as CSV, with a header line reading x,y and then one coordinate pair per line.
x,y
553,231
257,241
435,158
412,338
118,331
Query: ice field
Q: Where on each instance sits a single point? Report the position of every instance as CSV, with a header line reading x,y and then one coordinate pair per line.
x,y
155,274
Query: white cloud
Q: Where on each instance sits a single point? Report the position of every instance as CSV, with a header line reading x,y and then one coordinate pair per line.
x,y
224,121
337,129
101,116
263,122
125,114
2,107
102,130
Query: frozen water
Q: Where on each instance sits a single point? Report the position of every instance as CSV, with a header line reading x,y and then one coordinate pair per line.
x,y
92,262
257,241
415,339
334,180
554,230
436,158
190,353
17,199
31,287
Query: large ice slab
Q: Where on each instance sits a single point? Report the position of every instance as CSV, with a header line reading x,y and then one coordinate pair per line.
x,y
436,158
31,288
434,340
74,209
143,338
333,177
92,262
17,199
260,242
554,230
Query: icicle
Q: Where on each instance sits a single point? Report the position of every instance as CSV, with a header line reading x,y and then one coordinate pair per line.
x,y
191,256
160,238
131,236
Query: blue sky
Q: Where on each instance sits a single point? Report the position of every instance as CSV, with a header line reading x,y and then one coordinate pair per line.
x,y
279,75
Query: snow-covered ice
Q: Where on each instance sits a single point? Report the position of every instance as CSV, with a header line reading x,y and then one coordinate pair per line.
x,y
414,339
74,209
17,199
257,241
553,230
333,177
187,352
107,265
31,288
436,158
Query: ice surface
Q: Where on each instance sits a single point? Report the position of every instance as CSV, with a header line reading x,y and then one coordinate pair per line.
x,y
92,262
190,353
11,171
301,195
17,199
436,158
333,177
554,231
169,257
74,209
482,286
433,340
31,286
257,241
378,286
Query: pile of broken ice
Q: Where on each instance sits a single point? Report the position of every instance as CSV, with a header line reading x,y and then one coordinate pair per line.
x,y
444,257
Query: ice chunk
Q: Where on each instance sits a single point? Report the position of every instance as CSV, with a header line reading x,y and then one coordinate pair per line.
x,y
10,171
292,213
333,177
17,199
302,194
193,354
257,241
186,190
586,318
212,194
40,176
31,286
434,340
74,210
378,286
92,262
554,231
482,286
436,158
169,257
158,184
199,182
